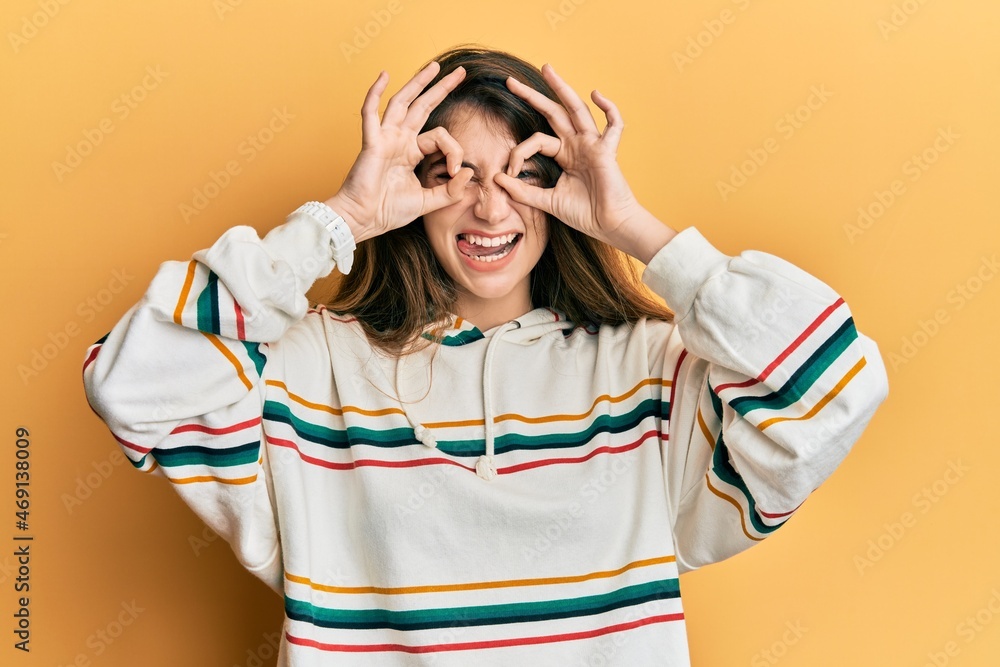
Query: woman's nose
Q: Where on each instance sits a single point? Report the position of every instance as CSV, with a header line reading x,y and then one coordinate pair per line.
x,y
492,202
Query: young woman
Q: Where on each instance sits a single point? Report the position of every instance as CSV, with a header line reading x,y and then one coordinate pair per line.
x,y
491,448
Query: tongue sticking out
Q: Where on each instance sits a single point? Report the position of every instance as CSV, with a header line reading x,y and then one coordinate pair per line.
x,y
479,251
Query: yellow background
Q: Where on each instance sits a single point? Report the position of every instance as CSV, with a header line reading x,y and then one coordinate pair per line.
x,y
893,82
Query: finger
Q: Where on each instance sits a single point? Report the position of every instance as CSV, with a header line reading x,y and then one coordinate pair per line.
x,y
395,111
578,110
369,109
529,195
447,193
420,109
439,139
613,130
552,110
539,142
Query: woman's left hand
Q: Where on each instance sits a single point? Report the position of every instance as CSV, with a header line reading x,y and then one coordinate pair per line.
x,y
591,194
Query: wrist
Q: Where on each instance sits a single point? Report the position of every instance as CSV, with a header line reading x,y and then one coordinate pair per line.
x,y
642,235
350,213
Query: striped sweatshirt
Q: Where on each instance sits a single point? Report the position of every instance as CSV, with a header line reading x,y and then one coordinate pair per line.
x,y
524,495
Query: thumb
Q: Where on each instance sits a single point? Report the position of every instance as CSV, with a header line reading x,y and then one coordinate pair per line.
x,y
529,195
447,193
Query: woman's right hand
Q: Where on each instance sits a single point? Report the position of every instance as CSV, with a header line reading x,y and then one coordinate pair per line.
x,y
381,191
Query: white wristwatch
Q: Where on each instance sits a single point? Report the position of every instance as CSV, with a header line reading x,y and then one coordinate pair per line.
x,y
341,238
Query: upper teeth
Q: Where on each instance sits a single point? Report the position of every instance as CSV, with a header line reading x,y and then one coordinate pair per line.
x,y
489,242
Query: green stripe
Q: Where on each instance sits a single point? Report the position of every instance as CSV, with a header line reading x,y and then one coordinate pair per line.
x,y
258,359
716,401
461,338
403,436
140,463
805,376
603,423
724,470
337,438
208,305
214,457
497,614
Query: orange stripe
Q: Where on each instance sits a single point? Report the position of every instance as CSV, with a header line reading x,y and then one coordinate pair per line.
x,y
577,417
603,397
470,422
443,588
179,309
826,399
227,353
705,431
213,478
333,411
734,503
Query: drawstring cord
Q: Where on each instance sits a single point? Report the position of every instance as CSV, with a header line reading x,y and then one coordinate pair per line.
x,y
420,432
486,466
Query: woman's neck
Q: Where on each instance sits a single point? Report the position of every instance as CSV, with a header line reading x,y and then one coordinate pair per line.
x,y
488,313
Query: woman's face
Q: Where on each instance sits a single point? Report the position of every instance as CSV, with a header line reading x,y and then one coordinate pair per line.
x,y
487,242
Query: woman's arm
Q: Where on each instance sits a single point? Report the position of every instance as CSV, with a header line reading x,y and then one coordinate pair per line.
x,y
772,385
761,411
178,379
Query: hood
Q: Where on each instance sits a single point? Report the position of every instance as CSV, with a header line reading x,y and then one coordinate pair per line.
x,y
530,327
455,331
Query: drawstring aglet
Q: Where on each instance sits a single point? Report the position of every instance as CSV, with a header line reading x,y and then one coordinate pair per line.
x,y
486,468
425,436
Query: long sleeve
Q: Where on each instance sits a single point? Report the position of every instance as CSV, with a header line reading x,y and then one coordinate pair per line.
x,y
178,379
771,385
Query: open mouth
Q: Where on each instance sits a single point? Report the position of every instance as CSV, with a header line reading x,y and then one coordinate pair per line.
x,y
487,249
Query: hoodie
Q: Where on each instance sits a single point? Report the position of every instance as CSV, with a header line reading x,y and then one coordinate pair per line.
x,y
528,494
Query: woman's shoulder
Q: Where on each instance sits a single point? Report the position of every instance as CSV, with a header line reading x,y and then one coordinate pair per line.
x,y
319,330
621,333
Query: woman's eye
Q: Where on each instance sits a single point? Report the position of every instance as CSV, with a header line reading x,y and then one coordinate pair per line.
x,y
526,174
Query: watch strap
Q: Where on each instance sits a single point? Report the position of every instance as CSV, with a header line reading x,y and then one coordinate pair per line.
x,y
342,243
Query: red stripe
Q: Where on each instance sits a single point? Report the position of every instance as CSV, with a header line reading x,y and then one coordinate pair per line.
x,y
768,515
361,463
802,336
673,383
375,463
91,356
201,428
131,445
240,335
495,643
580,459
736,385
